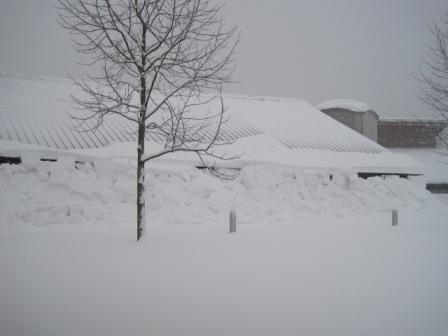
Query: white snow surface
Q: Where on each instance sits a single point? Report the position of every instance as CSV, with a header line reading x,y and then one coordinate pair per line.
x,y
65,191
247,151
311,255
435,159
349,104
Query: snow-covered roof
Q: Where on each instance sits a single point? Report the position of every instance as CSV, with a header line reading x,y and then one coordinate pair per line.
x,y
35,110
297,124
436,160
348,104
424,114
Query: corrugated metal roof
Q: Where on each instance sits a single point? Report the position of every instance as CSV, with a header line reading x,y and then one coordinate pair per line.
x,y
36,110
298,125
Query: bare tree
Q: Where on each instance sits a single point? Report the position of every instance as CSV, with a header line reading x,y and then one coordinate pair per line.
x,y
159,60
433,76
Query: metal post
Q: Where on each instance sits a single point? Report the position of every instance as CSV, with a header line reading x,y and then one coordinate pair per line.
x,y
394,217
232,222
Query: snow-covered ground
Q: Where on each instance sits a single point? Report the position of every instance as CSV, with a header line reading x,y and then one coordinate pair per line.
x,y
311,256
314,277
442,198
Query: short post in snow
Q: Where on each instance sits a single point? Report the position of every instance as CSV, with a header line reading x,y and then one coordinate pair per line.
x,y
232,215
394,217
232,221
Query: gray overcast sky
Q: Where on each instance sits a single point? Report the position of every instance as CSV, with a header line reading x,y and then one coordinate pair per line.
x,y
311,49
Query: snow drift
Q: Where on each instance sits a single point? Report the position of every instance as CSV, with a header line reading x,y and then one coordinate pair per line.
x,y
46,193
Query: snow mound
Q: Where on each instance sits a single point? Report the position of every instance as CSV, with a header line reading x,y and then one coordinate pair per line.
x,y
349,104
104,191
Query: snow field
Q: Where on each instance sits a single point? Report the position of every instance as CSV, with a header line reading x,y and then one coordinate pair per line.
x,y
323,276
311,256
46,193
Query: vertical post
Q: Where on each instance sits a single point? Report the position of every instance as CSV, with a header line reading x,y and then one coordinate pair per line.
x,y
394,217
346,182
232,222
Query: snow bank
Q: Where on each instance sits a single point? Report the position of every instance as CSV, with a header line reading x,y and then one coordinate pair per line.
x,y
260,149
46,193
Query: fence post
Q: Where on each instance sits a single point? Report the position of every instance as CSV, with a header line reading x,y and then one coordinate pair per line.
x,y
394,217
232,221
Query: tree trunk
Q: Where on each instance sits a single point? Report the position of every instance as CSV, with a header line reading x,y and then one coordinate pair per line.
x,y
141,221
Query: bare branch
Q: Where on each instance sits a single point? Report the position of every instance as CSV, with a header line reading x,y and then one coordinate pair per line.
x,y
433,75
160,61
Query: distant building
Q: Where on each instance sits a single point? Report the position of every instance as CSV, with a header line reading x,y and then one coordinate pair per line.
x,y
394,133
414,137
390,133
354,114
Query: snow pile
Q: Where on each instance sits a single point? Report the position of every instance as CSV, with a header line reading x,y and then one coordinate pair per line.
x,y
348,104
262,149
44,193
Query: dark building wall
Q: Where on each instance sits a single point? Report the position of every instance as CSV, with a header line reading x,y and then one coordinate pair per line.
x,y
408,134
345,117
364,123
390,133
